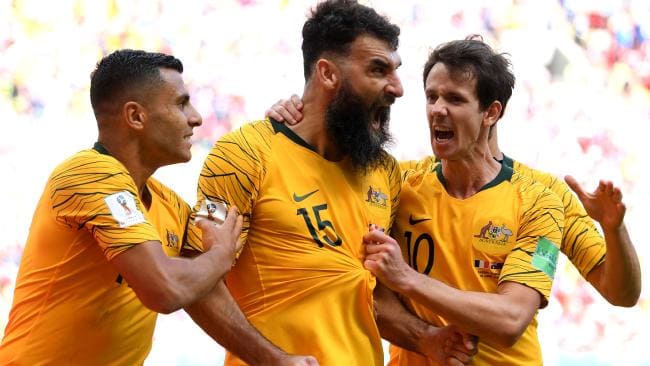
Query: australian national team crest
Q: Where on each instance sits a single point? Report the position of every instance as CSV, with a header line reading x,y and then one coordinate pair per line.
x,y
375,197
493,236
172,239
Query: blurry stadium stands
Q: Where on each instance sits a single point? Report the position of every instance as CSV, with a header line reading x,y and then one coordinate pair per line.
x,y
581,102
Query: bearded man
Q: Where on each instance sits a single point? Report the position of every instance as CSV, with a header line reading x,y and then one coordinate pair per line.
x,y
303,193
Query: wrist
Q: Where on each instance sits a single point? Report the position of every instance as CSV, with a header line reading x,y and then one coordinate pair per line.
x,y
424,335
614,229
275,356
406,280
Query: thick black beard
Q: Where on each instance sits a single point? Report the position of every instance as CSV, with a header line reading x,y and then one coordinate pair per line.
x,y
348,126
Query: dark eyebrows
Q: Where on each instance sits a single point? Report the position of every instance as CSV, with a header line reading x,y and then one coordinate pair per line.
x,y
383,63
379,62
183,98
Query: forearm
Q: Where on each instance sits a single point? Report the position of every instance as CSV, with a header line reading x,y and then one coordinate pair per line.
x,y
491,316
619,281
194,278
220,317
396,324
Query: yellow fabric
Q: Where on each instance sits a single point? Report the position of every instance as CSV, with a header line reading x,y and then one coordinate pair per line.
x,y
416,165
300,278
70,305
476,243
582,243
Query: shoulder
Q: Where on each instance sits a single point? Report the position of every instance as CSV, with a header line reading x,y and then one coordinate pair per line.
x,y
423,178
247,142
90,168
254,132
535,194
544,178
166,193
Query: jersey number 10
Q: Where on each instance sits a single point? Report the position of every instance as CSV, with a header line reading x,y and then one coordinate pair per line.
x,y
413,250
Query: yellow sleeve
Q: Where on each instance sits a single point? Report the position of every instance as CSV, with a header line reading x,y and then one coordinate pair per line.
x,y
582,243
533,260
232,173
96,193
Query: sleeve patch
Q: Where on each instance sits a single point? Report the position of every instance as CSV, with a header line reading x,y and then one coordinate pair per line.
x,y
545,256
123,209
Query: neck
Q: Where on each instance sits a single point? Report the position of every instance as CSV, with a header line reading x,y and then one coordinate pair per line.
x,y
313,127
126,151
465,177
494,145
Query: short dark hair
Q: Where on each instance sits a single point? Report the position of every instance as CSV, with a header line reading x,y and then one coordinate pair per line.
x,y
473,58
334,24
126,71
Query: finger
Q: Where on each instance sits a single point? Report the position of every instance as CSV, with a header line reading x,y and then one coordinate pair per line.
x,y
377,236
205,225
376,257
231,218
458,356
575,186
376,248
296,102
239,245
618,195
286,113
450,361
273,114
471,342
291,113
371,266
609,188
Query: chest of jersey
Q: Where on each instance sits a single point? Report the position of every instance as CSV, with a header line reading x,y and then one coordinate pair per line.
x,y
464,242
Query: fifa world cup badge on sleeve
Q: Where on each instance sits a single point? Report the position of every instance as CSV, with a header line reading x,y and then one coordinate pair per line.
x,y
213,211
123,209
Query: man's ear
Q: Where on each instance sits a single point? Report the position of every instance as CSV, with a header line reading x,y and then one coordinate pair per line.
x,y
492,113
327,73
134,114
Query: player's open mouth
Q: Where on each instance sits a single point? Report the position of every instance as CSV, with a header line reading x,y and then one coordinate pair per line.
x,y
442,134
380,117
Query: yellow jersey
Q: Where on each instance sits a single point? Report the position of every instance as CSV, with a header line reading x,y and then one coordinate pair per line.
x,y
508,231
300,278
581,242
70,305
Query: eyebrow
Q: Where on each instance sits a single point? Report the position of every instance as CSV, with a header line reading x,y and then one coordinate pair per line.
x,y
183,97
382,63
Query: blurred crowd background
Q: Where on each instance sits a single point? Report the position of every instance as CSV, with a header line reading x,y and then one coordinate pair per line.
x,y
580,107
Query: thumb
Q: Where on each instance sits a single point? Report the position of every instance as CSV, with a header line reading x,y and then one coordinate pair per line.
x,y
575,186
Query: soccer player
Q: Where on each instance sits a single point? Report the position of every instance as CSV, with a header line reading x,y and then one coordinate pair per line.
x,y
101,257
309,193
481,240
609,263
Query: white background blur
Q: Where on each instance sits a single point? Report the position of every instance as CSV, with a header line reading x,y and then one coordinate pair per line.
x,y
580,107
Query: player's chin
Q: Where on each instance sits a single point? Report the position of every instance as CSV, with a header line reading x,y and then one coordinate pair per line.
x,y
183,156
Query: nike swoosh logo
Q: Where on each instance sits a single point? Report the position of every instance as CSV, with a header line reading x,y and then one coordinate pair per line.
x,y
413,221
303,197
